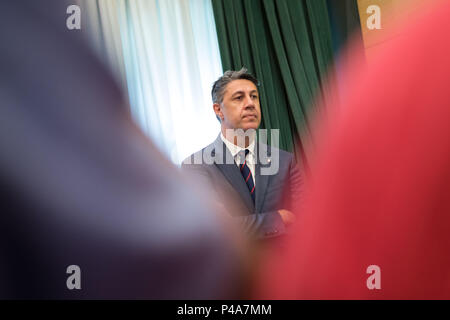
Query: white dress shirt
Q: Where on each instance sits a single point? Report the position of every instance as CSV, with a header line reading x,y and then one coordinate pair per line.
x,y
250,158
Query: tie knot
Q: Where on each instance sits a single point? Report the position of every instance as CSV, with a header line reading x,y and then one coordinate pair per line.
x,y
243,154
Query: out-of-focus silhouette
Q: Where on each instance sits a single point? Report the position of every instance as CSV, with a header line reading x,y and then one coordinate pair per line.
x,y
380,188
83,186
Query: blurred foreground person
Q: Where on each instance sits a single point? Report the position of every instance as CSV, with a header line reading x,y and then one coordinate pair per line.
x,y
377,219
90,208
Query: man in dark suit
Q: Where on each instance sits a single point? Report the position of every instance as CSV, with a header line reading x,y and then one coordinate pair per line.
x,y
257,183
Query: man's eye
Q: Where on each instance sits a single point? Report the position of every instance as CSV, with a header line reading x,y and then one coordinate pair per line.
x,y
255,96
238,98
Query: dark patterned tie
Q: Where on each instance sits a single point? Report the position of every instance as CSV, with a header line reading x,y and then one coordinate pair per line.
x,y
247,175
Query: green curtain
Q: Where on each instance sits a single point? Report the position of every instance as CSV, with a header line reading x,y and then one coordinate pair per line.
x,y
345,24
287,45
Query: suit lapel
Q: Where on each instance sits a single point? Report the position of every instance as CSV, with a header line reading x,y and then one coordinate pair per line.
x,y
231,172
261,182
261,187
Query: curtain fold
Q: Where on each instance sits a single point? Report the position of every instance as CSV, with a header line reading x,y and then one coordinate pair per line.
x,y
99,22
287,45
165,53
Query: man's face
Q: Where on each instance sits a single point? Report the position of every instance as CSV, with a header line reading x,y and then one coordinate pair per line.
x,y
240,106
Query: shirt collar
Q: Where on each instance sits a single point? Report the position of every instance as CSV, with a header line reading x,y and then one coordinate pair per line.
x,y
234,149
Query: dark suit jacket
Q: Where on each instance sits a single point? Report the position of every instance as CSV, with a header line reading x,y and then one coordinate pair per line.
x,y
273,192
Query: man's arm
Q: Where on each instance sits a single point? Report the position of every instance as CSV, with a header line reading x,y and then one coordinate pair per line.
x,y
265,224
262,225
292,205
274,223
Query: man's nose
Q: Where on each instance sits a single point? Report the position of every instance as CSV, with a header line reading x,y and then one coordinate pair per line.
x,y
249,102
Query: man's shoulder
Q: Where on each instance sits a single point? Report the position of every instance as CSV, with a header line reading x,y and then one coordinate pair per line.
x,y
195,154
197,157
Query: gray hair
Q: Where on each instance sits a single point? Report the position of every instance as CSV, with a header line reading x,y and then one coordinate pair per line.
x,y
219,86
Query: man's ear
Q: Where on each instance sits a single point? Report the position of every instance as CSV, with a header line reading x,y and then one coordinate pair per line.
x,y
218,110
